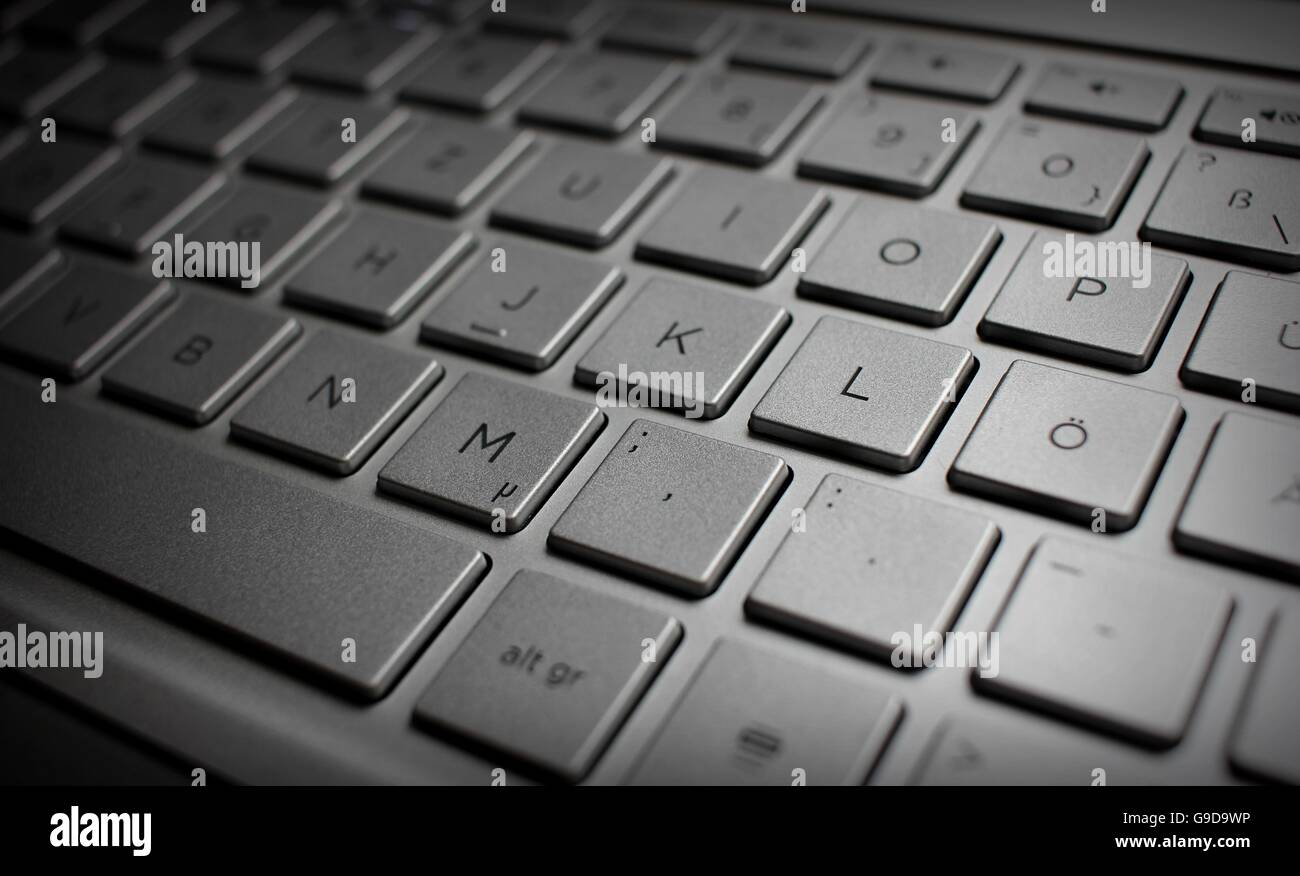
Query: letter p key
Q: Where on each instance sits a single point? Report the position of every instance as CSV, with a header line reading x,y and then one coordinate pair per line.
x,y
1086,286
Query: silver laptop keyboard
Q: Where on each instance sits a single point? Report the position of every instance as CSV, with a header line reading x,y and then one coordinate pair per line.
x,y
416,506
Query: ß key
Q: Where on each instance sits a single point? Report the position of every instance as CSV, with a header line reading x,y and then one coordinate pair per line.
x,y
492,451
378,266
260,39
755,717
340,572
894,144
685,31
1078,447
199,358
81,318
1118,321
901,261
733,225
1249,344
673,328
550,673
335,401
868,563
582,194
1244,506
522,305
1149,635
670,507
1066,174
872,395
1229,203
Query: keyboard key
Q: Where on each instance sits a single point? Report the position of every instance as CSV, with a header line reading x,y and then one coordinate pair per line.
x,y
260,39
734,225
492,451
743,117
479,72
335,401
549,674
582,194
218,116
527,314
23,262
167,29
754,717
1230,204
872,395
1150,635
279,220
1106,97
321,552
970,752
670,507
674,328
1266,741
602,93
361,54
78,22
823,50
901,261
38,178
1276,117
378,266
946,71
446,165
81,318
893,144
34,78
689,32
446,11
199,358
141,204
120,97
566,19
1073,446
311,146
872,563
1251,332
1112,322
1060,173
1244,506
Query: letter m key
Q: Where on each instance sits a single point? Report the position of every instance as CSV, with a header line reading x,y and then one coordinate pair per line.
x,y
481,433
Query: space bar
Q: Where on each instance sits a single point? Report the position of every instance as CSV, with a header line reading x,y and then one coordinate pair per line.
x,y
284,567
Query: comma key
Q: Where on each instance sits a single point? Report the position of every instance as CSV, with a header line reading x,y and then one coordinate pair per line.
x,y
549,673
